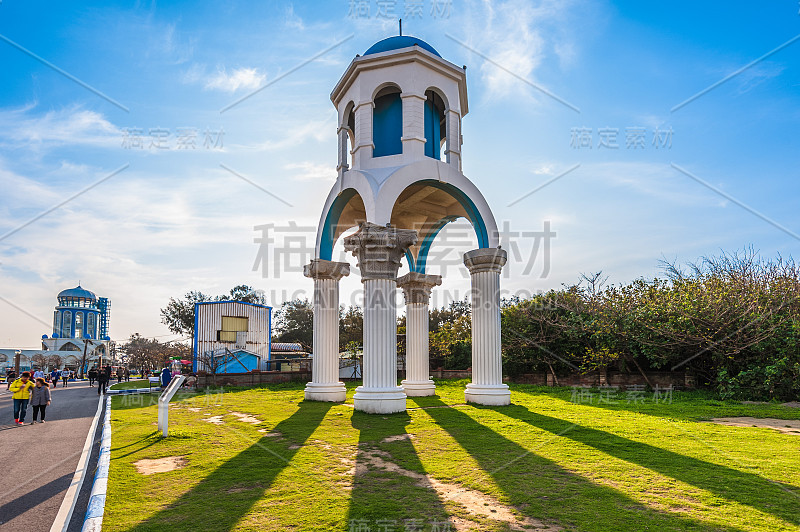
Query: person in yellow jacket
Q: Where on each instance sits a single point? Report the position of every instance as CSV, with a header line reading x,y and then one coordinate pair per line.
x,y
21,389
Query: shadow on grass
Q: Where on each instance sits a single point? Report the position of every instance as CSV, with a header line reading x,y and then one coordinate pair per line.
x,y
745,488
217,502
384,500
543,489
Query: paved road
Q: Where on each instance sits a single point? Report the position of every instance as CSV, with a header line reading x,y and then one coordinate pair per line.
x,y
38,461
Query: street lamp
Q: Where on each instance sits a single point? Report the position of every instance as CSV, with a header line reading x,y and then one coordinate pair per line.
x,y
17,356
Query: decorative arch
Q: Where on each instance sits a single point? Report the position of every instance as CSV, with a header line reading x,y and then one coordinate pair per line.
x,y
448,205
345,212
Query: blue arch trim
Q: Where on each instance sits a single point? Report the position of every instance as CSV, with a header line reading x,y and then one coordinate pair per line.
x,y
331,221
410,259
473,215
425,247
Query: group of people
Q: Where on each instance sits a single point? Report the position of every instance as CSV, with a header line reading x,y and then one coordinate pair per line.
x,y
36,392
103,378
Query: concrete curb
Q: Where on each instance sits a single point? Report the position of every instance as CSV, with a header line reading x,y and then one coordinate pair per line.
x,y
93,521
64,515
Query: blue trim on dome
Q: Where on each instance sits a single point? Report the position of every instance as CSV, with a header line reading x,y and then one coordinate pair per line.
x,y
397,42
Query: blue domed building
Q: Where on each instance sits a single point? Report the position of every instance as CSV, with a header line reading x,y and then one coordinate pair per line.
x,y
80,323
81,320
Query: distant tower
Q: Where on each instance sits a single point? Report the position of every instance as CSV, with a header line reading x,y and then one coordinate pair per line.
x,y
80,320
399,179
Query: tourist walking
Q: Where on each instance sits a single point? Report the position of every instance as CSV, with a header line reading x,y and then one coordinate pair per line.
x,y
64,377
22,393
103,377
11,376
92,375
38,374
40,399
54,377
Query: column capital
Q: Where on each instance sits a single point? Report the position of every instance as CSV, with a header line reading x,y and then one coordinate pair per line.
x,y
379,249
485,260
417,286
326,269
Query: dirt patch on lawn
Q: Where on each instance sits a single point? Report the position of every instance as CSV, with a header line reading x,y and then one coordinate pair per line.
x,y
246,418
787,426
159,465
475,502
216,420
398,437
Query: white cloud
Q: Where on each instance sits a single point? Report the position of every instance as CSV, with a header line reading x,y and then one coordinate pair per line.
x,y
308,170
518,35
67,126
239,78
293,20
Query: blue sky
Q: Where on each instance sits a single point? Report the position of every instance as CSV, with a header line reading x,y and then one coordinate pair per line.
x,y
175,219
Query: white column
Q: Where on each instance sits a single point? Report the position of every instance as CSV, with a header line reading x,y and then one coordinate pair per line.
x,y
325,384
413,138
362,151
378,250
487,386
417,290
453,148
342,136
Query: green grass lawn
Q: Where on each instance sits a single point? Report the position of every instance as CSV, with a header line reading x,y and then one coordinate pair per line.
x,y
544,461
130,384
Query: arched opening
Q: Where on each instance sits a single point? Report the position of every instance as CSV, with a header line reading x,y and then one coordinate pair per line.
x,y
435,125
91,325
69,346
349,138
66,330
427,206
387,122
346,211
79,325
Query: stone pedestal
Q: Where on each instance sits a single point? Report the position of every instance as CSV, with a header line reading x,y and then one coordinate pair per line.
x,y
379,250
487,386
325,384
417,290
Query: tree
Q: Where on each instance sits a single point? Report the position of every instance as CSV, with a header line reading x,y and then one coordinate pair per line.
x,y
39,360
294,322
150,354
54,361
178,315
351,326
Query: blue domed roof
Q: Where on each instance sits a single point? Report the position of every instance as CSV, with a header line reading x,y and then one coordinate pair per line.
x,y
397,42
77,292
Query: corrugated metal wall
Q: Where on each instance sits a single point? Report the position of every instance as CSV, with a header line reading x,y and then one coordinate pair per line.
x,y
208,320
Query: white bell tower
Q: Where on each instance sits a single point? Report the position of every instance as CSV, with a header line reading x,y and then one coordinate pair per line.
x,y
400,107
